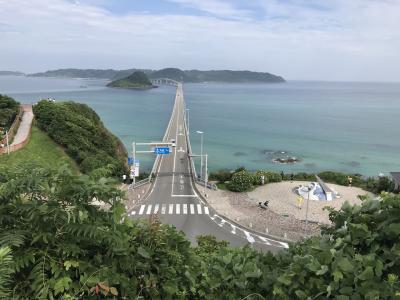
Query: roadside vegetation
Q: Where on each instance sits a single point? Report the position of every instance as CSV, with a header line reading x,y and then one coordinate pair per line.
x,y
42,151
56,244
241,180
8,111
79,130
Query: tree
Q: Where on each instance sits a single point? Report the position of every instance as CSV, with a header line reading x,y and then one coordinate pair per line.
x,y
78,129
5,272
8,111
241,181
65,247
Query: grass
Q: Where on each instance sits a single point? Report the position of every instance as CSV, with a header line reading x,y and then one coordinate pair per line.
x,y
222,186
40,150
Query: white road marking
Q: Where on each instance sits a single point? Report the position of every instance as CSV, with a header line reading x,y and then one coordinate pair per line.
x,y
285,245
148,209
171,209
199,211
249,237
181,150
265,240
233,231
178,209
222,223
156,208
184,196
185,209
133,213
141,209
206,210
163,209
192,209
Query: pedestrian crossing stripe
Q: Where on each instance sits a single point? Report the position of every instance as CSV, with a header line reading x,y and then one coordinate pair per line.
x,y
171,209
193,209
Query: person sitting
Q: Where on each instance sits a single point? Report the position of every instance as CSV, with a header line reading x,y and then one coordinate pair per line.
x,y
263,205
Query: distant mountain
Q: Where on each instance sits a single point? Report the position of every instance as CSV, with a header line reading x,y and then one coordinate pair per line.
x,y
172,73
216,76
86,73
9,73
137,80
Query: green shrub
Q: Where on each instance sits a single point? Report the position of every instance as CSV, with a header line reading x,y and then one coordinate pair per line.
x,y
273,177
78,129
8,110
241,181
221,176
65,247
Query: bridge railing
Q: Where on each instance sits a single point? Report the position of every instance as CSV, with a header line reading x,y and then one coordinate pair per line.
x,y
166,81
158,157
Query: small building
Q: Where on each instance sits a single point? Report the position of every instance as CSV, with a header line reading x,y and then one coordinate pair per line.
x,y
396,179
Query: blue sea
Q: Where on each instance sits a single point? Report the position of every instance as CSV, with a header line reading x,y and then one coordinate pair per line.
x,y
339,126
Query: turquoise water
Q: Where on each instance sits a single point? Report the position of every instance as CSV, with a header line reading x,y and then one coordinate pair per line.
x,y
349,127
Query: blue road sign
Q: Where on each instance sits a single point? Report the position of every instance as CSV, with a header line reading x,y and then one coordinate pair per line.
x,y
161,150
131,161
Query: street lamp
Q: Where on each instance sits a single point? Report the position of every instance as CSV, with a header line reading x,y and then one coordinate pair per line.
x,y
201,152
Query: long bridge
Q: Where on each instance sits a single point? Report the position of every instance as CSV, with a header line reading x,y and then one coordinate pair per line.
x,y
173,195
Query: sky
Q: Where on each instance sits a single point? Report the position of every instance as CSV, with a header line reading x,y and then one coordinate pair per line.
x,y
333,40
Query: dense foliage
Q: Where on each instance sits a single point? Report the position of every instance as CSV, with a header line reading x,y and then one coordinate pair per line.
x,y
78,129
137,80
8,110
374,185
65,247
241,181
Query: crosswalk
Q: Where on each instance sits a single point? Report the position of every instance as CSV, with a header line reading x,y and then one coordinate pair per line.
x,y
170,209
201,209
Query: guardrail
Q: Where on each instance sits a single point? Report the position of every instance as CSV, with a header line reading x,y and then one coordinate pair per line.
x,y
157,160
140,183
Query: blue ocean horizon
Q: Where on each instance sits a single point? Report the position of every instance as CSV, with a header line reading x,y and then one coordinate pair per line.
x,y
329,126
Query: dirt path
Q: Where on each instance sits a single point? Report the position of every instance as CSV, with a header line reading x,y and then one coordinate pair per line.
x,y
25,125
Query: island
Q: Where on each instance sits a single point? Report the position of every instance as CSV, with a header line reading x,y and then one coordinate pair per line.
x,y
137,80
11,73
187,76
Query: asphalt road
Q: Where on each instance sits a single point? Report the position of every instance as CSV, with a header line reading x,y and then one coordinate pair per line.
x,y
175,201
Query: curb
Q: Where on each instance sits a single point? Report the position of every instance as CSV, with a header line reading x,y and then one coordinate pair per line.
x,y
269,236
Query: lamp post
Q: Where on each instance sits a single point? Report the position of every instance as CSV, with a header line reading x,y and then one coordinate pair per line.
x,y
201,152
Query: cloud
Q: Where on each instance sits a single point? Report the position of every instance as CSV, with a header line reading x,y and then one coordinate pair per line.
x,y
216,8
341,40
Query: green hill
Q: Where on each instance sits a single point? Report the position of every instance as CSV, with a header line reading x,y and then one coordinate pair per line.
x,y
172,73
79,130
137,80
40,151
